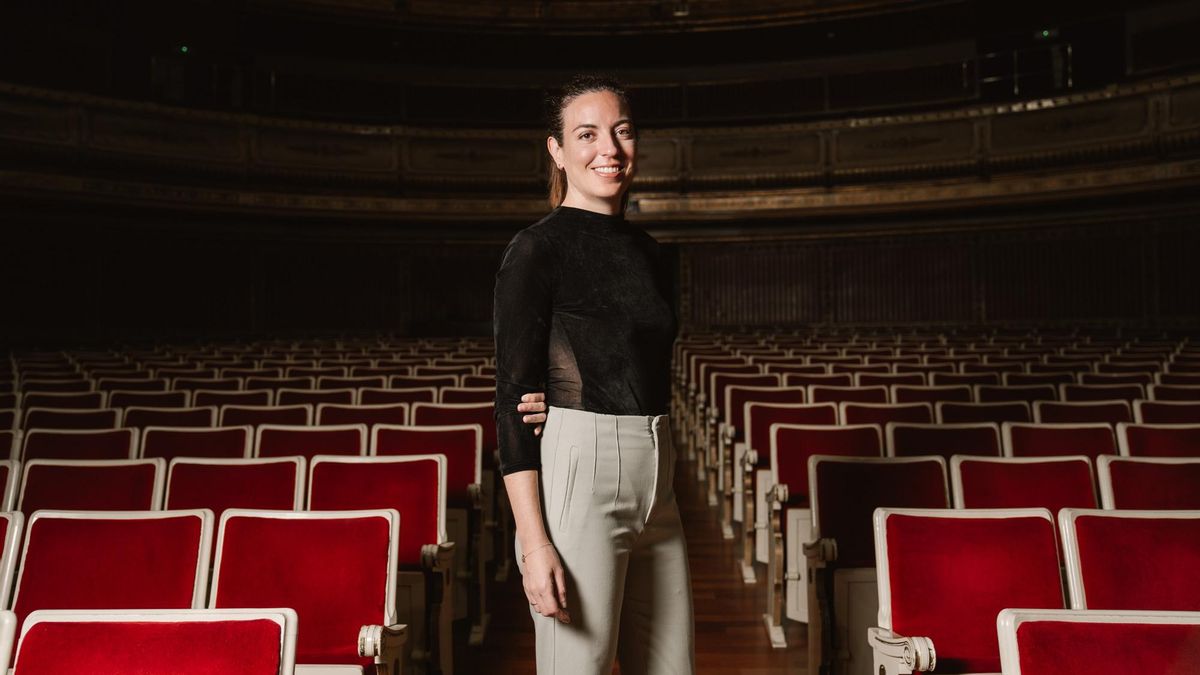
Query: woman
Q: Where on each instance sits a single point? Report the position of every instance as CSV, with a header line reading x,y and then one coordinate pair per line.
x,y
581,315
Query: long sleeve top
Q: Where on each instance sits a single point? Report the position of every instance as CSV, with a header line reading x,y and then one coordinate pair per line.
x,y
581,313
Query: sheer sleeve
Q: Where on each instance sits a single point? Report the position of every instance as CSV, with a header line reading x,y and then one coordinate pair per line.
x,y
521,321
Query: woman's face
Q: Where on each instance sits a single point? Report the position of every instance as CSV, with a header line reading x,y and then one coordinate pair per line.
x,y
598,151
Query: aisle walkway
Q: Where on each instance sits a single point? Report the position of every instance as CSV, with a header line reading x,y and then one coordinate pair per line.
x,y
730,637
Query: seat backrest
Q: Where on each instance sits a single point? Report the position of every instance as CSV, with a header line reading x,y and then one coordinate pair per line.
x,y
845,491
80,444
946,440
59,418
1015,393
1052,483
218,398
793,444
1172,392
285,559
294,415
824,379
82,400
935,394
113,385
945,574
413,485
169,442
368,396
467,395
220,484
272,440
882,413
737,397
1149,482
462,445
315,397
422,381
277,384
826,394
117,560
1159,440
1166,412
1077,412
193,417
181,642
370,415
148,399
1056,440
1101,392
10,475
1081,642
92,485
951,412
446,414
1132,559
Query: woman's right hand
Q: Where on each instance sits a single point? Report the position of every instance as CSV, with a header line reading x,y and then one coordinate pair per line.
x,y
545,582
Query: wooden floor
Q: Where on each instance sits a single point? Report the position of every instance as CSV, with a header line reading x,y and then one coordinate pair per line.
x,y
730,638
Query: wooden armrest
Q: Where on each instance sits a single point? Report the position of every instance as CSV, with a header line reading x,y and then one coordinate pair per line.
x,y
475,492
750,461
822,550
384,644
437,557
900,655
778,495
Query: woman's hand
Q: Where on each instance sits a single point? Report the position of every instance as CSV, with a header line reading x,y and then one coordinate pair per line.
x,y
533,403
545,583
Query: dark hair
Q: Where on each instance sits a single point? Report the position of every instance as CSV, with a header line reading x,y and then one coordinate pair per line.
x,y
556,102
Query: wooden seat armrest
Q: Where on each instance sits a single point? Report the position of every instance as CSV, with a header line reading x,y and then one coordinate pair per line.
x,y
900,655
475,492
749,461
822,550
384,644
778,495
438,557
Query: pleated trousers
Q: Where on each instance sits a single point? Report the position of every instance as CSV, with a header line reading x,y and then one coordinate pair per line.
x,y
608,497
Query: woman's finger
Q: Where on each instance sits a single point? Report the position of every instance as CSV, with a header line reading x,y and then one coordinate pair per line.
x,y
537,431
534,419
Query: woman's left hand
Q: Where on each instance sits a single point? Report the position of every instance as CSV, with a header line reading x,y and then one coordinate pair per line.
x,y
536,404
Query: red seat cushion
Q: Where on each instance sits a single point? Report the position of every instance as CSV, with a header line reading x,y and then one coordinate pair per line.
x,y
909,441
1177,441
458,445
1139,563
1050,485
1093,648
257,485
309,441
126,487
98,444
1151,486
171,443
793,446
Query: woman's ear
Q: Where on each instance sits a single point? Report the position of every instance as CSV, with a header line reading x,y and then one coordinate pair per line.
x,y
555,151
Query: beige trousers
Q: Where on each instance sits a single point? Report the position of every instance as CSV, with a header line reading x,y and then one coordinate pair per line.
x,y
609,503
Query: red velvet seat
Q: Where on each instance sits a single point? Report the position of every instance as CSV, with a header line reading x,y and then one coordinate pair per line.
x,y
1172,392
286,559
844,493
120,560
292,441
882,413
1132,559
275,384
1143,379
906,394
1056,440
73,384
827,394
1052,483
1063,412
383,369
1101,392
1159,440
480,380
315,372
450,414
205,397
92,485
1150,483
258,415
1036,379
126,398
456,371
945,440
1166,412
1185,379
83,400
180,642
461,444
10,475
216,442
370,415
818,379
467,394
12,530
1080,642
206,383
889,379
218,484
315,397
950,412
418,382
1009,394
80,444
961,379
793,444
55,418
377,382
945,574
392,396
111,384
193,417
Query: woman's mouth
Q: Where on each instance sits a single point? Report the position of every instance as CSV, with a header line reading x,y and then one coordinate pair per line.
x,y
609,171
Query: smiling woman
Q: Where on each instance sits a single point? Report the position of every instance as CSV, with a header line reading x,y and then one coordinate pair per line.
x,y
580,315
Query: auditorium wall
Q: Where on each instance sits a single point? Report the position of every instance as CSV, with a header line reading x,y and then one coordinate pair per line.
x,y
117,280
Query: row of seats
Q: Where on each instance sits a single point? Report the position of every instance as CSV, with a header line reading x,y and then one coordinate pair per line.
x,y
73,560
75,384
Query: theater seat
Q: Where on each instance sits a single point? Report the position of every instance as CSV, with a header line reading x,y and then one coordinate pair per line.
x,y
370,415
883,413
10,475
1149,482
946,440
1132,559
290,441
118,560
59,418
945,574
80,444
169,443
180,642
844,493
1052,483
1082,642
414,486
192,417
92,485
1159,440
1056,440
285,559
1166,412
255,416
1082,412
950,412
219,484
12,531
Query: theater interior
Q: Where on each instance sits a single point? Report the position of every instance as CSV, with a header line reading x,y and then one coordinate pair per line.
x,y
931,263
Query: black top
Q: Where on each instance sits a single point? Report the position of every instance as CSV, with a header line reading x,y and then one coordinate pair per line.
x,y
580,313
